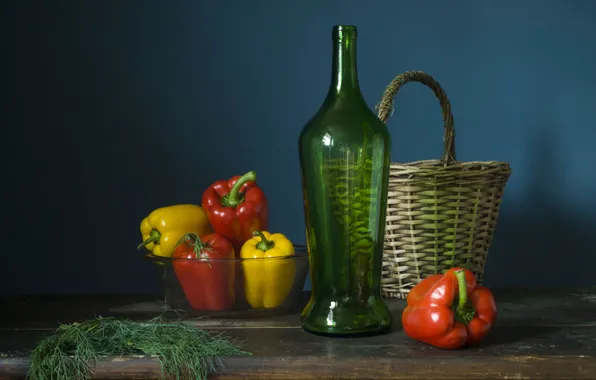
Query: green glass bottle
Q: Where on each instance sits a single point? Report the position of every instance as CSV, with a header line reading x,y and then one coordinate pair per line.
x,y
344,161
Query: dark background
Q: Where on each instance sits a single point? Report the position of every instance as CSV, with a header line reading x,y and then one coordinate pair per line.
x,y
114,108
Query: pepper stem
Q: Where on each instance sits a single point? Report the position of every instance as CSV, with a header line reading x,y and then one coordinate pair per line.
x,y
154,237
264,245
233,198
464,311
192,240
463,289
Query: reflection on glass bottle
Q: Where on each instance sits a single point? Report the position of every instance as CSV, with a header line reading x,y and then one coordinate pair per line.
x,y
344,159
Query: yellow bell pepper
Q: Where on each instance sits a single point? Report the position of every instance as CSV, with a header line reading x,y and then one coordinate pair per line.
x,y
165,226
268,279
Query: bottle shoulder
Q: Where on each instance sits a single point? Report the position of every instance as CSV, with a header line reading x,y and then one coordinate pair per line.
x,y
342,118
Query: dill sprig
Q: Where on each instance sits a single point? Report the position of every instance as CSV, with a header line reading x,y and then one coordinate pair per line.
x,y
184,352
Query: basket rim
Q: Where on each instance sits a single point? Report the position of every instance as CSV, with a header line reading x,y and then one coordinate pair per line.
x,y
458,162
439,165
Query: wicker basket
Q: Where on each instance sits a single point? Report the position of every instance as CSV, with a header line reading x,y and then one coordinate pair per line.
x,y
440,213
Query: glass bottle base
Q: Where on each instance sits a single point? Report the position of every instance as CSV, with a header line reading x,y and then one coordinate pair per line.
x,y
334,317
347,333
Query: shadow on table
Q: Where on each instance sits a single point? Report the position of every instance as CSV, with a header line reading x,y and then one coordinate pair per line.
x,y
512,335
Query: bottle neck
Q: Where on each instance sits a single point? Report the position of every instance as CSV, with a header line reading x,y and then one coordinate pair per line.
x,y
344,72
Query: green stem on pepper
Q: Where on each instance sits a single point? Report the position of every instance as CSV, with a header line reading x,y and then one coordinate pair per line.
x,y
464,312
233,198
199,247
264,245
154,237
193,240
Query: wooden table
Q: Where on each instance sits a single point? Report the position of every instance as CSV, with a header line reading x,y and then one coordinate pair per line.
x,y
538,336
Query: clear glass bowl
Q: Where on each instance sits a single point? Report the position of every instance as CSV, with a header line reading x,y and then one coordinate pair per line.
x,y
236,287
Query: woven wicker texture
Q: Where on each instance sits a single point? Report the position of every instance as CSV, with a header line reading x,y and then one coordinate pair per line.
x,y
440,213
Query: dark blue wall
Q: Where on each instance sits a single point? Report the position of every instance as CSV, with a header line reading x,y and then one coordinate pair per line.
x,y
113,108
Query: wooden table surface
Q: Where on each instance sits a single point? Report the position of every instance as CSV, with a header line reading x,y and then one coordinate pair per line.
x,y
539,335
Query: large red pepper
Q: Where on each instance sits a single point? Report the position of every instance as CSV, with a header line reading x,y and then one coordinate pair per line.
x,y
208,283
449,310
236,208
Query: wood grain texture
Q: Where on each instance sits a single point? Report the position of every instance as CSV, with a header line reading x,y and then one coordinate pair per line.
x,y
538,336
312,367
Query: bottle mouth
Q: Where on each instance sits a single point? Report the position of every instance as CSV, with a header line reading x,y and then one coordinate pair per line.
x,y
340,31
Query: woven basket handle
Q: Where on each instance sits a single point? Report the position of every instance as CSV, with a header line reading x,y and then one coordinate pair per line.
x,y
385,107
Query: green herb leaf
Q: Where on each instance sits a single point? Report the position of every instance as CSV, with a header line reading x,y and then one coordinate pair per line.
x,y
183,351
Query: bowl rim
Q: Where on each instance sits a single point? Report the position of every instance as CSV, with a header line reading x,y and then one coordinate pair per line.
x,y
300,252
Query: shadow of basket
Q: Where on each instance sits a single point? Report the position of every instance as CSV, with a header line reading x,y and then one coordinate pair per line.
x,y
440,213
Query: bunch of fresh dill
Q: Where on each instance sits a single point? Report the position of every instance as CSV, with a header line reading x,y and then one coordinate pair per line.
x,y
183,351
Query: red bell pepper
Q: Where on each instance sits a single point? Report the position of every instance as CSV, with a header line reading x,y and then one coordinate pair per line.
x,y
207,284
236,208
433,317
